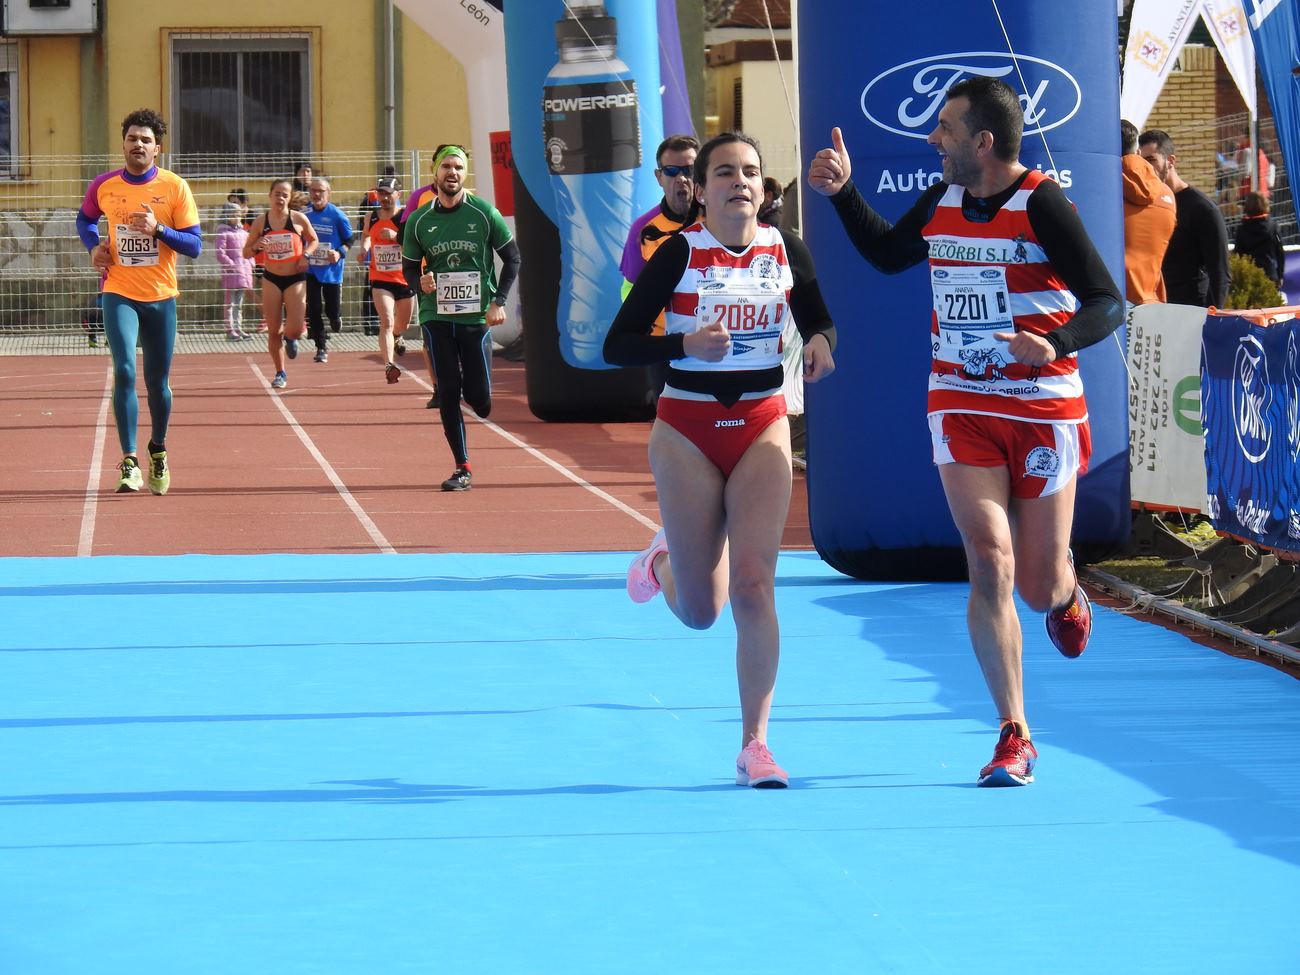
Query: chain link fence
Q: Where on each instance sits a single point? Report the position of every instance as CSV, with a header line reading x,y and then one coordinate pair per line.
x,y
48,288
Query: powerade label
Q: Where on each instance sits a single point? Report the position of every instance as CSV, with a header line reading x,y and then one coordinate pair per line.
x,y
591,128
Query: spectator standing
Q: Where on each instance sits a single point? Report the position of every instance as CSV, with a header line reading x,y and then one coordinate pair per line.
x,y
1257,238
1150,214
1196,262
674,170
325,266
771,210
236,269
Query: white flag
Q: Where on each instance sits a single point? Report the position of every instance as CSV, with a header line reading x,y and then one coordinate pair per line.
x,y
1227,22
1157,31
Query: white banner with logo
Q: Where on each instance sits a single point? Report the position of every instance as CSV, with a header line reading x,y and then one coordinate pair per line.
x,y
1166,441
1227,23
1156,33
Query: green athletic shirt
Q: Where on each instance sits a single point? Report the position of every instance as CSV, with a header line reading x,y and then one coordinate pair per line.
x,y
452,242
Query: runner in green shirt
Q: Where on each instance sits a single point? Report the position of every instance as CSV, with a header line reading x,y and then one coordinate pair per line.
x,y
447,258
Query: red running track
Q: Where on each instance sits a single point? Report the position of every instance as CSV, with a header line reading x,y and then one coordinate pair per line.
x,y
338,462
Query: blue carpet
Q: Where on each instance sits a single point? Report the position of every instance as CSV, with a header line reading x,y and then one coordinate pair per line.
x,y
487,763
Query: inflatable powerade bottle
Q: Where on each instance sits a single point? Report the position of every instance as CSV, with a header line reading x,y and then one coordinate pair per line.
x,y
593,149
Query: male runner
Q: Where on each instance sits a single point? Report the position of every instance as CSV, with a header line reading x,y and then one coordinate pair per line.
x,y
151,218
1018,290
447,248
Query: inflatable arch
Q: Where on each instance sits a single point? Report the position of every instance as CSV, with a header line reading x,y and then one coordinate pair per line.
x,y
877,509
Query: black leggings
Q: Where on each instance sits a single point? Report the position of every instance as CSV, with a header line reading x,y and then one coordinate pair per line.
x,y
322,297
462,361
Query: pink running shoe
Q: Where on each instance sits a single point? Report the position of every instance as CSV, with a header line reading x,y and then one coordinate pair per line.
x,y
756,767
1013,759
642,586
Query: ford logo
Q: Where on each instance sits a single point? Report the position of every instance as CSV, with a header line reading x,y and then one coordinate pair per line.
x,y
940,273
990,274
906,99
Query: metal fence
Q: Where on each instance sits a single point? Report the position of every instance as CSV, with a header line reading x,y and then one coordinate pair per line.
x,y
47,283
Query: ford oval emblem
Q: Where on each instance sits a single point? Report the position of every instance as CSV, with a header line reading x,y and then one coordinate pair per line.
x,y
906,98
990,274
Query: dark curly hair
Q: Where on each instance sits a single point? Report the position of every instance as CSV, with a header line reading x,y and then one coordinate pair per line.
x,y
145,118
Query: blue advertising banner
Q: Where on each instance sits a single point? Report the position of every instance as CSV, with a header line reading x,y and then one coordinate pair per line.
x,y
1275,30
1250,390
585,120
877,509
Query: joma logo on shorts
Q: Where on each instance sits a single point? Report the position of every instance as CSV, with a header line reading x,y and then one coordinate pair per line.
x,y
727,423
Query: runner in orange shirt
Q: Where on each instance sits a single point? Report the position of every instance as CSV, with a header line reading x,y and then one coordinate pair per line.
x,y
151,218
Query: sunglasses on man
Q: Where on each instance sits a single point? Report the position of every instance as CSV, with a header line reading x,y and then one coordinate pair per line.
x,y
672,172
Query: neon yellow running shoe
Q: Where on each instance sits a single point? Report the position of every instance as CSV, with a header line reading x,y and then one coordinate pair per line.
x,y
132,479
160,477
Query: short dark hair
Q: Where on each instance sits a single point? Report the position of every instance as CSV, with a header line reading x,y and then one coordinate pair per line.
x,y
145,118
676,143
1128,138
722,139
994,108
1164,142
1254,204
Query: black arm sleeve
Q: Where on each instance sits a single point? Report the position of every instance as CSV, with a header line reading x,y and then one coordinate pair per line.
x,y
811,316
411,270
1213,241
1073,256
629,342
509,254
889,248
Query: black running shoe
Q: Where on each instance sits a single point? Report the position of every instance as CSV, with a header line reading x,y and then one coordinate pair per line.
x,y
434,402
460,481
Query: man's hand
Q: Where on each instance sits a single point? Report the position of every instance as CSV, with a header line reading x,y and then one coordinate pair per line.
x,y
427,282
710,343
1028,348
101,258
143,221
830,168
496,314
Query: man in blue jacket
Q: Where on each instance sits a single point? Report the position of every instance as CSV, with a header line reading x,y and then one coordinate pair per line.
x,y
325,265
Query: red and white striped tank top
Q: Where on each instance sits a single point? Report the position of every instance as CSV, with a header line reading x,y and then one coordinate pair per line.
x,y
994,277
749,292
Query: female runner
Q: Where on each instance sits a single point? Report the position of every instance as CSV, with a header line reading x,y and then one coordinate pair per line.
x,y
720,447
284,238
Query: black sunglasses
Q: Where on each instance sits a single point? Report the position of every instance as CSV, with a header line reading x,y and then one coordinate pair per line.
x,y
672,172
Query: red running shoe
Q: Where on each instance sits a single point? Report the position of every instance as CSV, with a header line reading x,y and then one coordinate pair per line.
x,y
1070,626
1013,759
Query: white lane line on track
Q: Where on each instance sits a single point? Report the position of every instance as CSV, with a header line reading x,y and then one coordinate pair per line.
x,y
371,528
89,509
554,465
